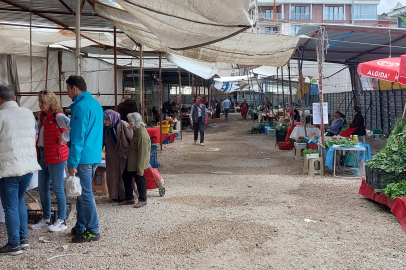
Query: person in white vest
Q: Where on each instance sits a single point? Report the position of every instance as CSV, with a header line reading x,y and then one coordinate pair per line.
x,y
18,161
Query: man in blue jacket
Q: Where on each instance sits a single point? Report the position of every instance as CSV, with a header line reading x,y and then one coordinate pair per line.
x,y
86,139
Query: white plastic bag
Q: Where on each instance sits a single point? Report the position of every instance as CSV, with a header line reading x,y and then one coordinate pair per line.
x,y
73,187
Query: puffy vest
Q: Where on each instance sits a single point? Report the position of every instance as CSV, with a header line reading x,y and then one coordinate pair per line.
x,y
54,152
18,155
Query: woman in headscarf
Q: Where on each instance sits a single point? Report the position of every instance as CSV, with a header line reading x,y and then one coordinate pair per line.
x,y
138,162
117,136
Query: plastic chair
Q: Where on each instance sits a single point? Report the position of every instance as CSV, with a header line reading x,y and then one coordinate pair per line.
x,y
315,165
299,152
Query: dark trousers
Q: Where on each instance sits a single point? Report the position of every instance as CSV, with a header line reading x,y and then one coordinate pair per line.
x,y
218,111
141,183
199,125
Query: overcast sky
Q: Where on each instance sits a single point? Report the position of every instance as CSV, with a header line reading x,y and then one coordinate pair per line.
x,y
387,5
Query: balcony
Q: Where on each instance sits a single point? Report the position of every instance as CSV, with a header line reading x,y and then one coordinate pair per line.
x,y
366,16
269,16
333,17
300,16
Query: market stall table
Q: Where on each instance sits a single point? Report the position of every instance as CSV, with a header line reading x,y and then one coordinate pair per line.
x,y
299,131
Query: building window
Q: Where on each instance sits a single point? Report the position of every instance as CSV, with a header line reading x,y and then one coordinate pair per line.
x,y
270,30
333,13
268,14
365,12
300,13
294,29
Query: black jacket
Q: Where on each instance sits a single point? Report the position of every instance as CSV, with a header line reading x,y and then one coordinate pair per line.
x,y
358,122
126,107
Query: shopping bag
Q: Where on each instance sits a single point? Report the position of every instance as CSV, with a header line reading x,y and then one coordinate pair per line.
x,y
73,187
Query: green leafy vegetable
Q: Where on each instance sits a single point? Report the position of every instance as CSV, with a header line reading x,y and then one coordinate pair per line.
x,y
392,158
394,190
344,142
301,141
310,151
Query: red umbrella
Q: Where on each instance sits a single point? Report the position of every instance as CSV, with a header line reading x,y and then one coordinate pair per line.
x,y
384,69
402,69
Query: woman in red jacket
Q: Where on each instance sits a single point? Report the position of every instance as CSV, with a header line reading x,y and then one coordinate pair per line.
x,y
244,109
52,154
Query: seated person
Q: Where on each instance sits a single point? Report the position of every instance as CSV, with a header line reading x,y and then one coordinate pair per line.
x,y
155,114
358,123
296,116
167,108
336,125
184,109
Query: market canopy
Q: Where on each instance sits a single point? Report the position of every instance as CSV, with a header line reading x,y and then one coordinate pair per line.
x,y
244,48
351,45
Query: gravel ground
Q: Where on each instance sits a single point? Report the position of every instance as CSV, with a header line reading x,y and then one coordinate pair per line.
x,y
243,207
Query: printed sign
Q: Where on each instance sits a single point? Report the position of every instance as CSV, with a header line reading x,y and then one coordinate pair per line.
x,y
317,114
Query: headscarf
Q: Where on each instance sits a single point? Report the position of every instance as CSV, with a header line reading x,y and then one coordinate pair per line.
x,y
115,119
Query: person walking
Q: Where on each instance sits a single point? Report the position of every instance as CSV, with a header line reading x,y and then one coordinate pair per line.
x,y
86,140
18,161
138,162
197,119
127,106
218,107
117,135
226,107
52,156
244,109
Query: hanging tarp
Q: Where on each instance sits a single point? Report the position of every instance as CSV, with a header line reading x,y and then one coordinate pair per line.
x,y
193,66
273,71
190,23
19,46
244,48
234,78
227,87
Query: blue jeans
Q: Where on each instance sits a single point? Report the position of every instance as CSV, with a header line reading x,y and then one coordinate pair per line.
x,y
198,126
226,111
12,191
54,173
87,218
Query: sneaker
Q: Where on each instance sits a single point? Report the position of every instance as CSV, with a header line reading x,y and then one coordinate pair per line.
x,y
10,249
127,202
58,226
73,231
140,204
195,141
24,242
41,224
86,237
202,144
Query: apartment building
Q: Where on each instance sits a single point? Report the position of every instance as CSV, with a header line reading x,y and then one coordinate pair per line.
x,y
290,14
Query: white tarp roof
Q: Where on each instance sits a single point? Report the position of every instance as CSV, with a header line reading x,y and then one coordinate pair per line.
x,y
272,71
233,78
99,77
190,23
244,48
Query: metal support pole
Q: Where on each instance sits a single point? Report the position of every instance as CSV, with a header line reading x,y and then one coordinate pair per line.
x,y
142,102
180,102
290,94
78,45
160,98
115,68
277,92
31,48
60,76
320,61
46,70
283,94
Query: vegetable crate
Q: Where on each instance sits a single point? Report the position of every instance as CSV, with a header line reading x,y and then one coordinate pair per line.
x,y
379,179
34,216
280,135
